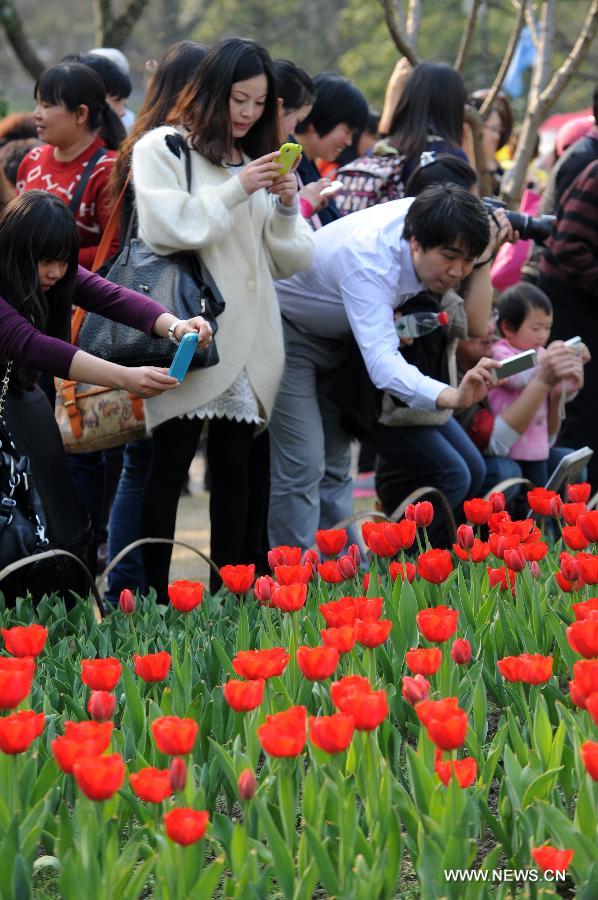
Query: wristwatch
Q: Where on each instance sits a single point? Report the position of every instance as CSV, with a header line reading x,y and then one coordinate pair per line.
x,y
172,329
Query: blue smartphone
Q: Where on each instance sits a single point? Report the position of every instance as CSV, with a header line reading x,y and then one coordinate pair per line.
x,y
183,356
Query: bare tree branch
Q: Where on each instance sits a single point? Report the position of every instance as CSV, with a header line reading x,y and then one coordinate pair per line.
x,y
13,26
578,54
506,62
396,33
468,34
546,47
113,31
414,17
531,24
473,118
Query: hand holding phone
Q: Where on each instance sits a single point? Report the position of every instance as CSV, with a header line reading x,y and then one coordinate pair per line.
x,y
333,188
288,157
183,356
515,364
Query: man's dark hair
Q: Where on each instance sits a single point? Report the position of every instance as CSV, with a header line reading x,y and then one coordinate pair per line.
x,y
448,216
337,100
515,303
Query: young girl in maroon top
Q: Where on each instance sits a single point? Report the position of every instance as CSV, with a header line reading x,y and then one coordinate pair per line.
x,y
79,129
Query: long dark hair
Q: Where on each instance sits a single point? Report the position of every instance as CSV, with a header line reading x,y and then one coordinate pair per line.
x,y
203,107
173,74
74,85
34,227
433,102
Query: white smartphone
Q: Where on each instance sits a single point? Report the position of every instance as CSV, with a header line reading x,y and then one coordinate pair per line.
x,y
574,343
515,364
333,188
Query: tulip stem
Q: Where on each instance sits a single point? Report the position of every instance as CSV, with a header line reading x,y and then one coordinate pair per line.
x,y
526,713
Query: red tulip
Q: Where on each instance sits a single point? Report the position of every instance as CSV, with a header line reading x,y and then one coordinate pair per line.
x,y
588,522
434,565
174,736
497,576
342,690
465,537
574,538
99,777
461,652
299,574
572,512
569,568
256,664
284,556
549,859
317,663
582,611
19,730
366,581
347,567
539,500
420,513
126,601
367,709
438,623
16,677
185,825
289,597
424,660
342,639
498,501
497,519
185,595
445,722
589,755
415,689
464,770
101,674
529,668
579,493
263,589
246,785
533,552
499,543
243,695
81,739
555,507
151,785
584,682
477,511
177,771
339,612
329,572
331,541
397,570
152,666
333,734
566,586
355,553
588,568
400,535
592,707
100,706
367,608
25,640
521,528
583,636
238,579
478,553
312,559
515,559
283,734
372,634
378,542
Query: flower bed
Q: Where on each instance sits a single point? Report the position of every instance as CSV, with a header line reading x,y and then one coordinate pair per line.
x,y
307,733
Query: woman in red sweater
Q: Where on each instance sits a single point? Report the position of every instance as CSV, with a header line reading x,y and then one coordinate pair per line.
x,y
80,131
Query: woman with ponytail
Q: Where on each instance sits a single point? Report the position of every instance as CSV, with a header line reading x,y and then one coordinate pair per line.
x,y
79,130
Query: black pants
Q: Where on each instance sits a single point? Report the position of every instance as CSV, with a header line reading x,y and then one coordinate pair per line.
x,y
228,455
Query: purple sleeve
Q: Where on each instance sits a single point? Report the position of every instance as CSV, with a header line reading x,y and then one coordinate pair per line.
x,y
96,294
22,342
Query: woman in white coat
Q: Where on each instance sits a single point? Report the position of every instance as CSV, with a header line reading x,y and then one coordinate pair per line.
x,y
241,215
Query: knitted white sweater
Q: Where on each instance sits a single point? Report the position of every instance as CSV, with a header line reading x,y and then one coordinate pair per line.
x,y
245,246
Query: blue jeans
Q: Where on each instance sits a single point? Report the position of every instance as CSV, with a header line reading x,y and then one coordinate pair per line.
x,y
125,519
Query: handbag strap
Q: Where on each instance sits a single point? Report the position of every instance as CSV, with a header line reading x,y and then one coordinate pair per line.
x,y
5,384
85,176
110,229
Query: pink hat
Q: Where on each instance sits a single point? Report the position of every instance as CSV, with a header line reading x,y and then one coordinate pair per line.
x,y
571,132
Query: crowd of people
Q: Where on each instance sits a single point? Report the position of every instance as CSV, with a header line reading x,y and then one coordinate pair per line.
x,y
380,220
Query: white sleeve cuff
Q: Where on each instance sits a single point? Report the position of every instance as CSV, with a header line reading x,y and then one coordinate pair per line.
x,y
502,438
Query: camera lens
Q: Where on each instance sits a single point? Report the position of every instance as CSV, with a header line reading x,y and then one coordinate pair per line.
x,y
533,228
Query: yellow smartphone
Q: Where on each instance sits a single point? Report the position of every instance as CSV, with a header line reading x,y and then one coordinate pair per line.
x,y
288,157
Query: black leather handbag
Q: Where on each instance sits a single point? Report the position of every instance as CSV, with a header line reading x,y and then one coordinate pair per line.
x,y
180,281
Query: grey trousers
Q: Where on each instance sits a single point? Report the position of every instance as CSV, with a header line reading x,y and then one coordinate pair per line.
x,y
311,485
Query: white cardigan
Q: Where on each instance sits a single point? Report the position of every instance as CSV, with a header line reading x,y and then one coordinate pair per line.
x,y
244,246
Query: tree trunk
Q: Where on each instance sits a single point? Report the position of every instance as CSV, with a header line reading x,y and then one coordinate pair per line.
x,y
396,33
111,30
13,26
414,18
466,40
506,62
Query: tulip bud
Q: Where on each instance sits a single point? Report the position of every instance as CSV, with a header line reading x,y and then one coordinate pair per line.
x,y
263,588
555,507
355,554
246,785
569,567
313,558
465,537
178,774
410,512
100,706
415,689
515,559
347,567
276,557
498,501
461,651
127,602
535,569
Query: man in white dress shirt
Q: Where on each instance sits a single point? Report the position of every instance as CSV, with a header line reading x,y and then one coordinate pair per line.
x,y
366,266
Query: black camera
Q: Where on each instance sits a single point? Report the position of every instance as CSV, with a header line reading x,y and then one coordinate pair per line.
x,y
533,228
